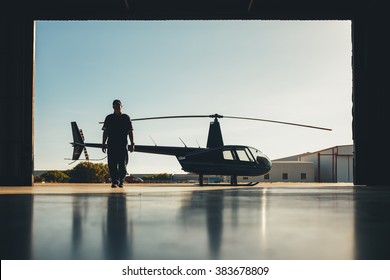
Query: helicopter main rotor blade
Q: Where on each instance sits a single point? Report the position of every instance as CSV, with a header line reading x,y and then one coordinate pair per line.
x,y
280,122
168,117
217,116
171,117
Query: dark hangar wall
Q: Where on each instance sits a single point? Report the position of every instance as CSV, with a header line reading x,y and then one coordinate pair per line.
x,y
370,58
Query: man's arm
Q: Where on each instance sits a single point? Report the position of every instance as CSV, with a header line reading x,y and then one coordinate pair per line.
x,y
105,136
131,137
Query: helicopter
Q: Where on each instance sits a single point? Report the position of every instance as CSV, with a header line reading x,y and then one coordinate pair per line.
x,y
215,159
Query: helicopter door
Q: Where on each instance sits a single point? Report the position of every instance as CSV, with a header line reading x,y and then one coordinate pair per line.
x,y
229,155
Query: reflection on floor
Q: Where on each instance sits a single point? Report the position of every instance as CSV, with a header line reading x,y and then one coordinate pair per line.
x,y
182,222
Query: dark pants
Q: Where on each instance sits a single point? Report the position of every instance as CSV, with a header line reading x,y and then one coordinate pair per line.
x,y
117,162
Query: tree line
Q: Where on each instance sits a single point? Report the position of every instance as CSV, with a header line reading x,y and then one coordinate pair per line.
x,y
84,172
88,172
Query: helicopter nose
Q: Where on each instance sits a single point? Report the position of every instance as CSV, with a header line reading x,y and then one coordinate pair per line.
x,y
264,162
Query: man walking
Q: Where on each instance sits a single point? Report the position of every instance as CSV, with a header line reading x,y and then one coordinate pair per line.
x,y
117,126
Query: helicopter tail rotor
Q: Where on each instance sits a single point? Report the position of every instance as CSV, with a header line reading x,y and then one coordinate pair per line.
x,y
78,143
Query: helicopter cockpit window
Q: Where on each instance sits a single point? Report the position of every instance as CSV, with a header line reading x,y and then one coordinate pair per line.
x,y
255,152
228,155
243,156
251,156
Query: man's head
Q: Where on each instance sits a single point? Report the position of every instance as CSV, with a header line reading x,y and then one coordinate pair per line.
x,y
116,102
117,105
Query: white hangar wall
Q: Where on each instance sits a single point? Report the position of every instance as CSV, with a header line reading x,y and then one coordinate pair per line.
x,y
285,171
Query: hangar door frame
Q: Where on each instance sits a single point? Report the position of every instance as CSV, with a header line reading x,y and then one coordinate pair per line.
x,y
370,56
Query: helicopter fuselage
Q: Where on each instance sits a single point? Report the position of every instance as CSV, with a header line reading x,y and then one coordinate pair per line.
x,y
224,160
227,160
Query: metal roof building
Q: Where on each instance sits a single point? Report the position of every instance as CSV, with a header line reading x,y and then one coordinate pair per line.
x,y
331,165
334,164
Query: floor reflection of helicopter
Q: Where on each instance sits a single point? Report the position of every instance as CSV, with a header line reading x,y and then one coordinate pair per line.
x,y
215,159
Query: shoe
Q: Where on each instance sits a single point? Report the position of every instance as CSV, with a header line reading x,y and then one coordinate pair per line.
x,y
113,186
120,185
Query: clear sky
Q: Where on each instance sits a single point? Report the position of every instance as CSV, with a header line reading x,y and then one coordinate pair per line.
x,y
293,71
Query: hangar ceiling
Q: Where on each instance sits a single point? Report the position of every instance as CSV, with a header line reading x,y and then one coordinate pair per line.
x,y
190,9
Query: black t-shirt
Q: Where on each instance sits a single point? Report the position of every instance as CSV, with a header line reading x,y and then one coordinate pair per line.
x,y
117,128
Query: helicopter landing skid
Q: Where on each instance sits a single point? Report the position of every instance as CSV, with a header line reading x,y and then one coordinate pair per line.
x,y
251,184
231,185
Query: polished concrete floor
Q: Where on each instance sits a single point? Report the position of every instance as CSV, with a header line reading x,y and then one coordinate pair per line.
x,y
280,222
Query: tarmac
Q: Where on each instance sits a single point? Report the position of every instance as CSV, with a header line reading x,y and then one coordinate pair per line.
x,y
189,222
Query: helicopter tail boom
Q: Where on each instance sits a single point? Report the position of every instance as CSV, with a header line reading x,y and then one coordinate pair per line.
x,y
166,150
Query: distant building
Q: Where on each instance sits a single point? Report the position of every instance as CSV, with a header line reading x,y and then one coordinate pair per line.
x,y
331,165
285,171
